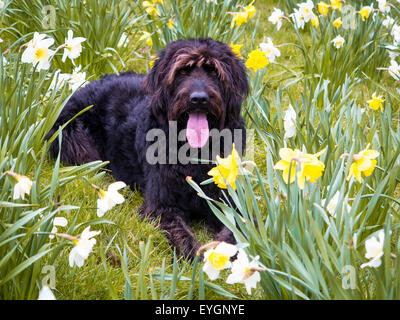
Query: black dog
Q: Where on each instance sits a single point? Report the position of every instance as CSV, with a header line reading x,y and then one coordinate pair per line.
x,y
196,84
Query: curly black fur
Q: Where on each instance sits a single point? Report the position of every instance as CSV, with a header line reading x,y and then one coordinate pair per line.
x,y
127,106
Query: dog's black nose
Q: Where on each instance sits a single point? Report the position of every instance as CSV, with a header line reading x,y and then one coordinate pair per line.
x,y
199,98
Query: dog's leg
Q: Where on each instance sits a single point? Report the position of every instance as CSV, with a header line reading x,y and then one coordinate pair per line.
x,y
178,232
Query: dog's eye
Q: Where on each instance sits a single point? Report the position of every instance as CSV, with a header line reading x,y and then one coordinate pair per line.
x,y
184,71
210,70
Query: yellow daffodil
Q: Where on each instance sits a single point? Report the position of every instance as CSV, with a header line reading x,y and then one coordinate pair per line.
x,y
239,18
250,10
310,167
236,49
288,163
226,170
151,8
147,37
337,23
364,12
376,102
171,23
336,4
364,162
315,21
323,8
257,60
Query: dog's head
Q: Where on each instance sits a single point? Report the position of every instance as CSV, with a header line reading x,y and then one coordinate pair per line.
x,y
200,83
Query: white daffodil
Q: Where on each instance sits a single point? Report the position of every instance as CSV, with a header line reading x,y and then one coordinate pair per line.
x,y
271,52
298,19
394,70
388,22
374,248
77,79
46,294
38,52
244,271
72,47
395,32
276,18
306,10
59,80
1,4
332,204
383,6
22,187
217,259
338,41
58,222
110,198
289,122
83,247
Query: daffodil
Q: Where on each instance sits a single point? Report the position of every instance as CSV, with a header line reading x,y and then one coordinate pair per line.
x,y
336,4
333,203
250,10
323,8
244,271
226,170
394,69
337,23
236,49
338,41
376,102
171,23
217,259
365,12
151,8
383,6
276,18
77,79
147,38
289,122
72,46
108,199
306,10
311,168
298,18
364,162
83,247
38,52
23,185
315,21
58,222
257,60
374,250
239,18
287,163
270,50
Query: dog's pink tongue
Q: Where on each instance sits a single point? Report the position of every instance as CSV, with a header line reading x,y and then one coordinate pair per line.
x,y
197,131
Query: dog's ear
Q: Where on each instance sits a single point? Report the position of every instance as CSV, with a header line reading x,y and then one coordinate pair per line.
x,y
152,86
237,89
